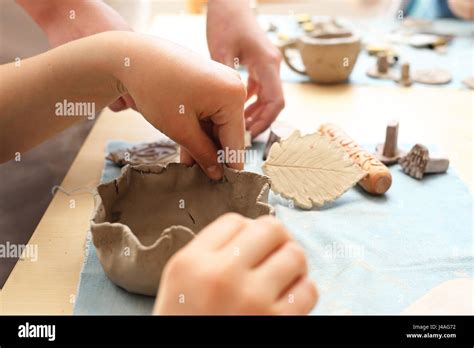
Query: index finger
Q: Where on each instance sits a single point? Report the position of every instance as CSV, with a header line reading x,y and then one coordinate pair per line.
x,y
230,128
231,137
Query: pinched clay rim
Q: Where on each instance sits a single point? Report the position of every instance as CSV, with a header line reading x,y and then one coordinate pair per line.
x,y
140,270
330,39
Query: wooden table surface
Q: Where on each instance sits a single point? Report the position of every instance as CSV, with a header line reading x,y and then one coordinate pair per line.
x,y
428,115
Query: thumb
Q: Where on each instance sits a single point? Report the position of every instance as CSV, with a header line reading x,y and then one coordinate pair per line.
x,y
198,144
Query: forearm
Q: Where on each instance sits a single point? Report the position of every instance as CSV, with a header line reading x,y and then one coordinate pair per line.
x,y
31,93
64,21
462,8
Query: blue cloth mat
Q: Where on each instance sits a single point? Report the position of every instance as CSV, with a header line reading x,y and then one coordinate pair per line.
x,y
458,60
367,254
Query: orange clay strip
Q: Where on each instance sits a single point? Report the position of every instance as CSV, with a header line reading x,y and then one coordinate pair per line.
x,y
379,179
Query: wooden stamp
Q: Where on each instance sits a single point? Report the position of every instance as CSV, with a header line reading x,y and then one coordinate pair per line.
x,y
417,162
382,69
405,79
388,152
378,179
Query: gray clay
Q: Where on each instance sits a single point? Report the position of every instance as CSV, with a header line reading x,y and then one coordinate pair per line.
x,y
150,212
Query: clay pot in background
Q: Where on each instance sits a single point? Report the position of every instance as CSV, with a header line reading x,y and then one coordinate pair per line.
x,y
327,58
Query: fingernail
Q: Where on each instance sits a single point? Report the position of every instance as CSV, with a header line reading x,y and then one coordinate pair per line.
x,y
214,171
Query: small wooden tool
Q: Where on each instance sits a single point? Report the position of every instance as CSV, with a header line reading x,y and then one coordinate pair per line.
x,y
382,69
405,79
378,179
417,162
388,152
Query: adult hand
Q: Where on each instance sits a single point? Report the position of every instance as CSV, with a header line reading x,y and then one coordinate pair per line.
x,y
65,21
234,36
238,266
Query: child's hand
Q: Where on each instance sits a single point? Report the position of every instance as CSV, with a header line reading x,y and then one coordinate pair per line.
x,y
238,266
195,101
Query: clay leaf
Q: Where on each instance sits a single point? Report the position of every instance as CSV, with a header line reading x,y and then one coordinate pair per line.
x,y
311,170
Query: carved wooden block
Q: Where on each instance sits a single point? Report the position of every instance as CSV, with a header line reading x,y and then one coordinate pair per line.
x,y
417,162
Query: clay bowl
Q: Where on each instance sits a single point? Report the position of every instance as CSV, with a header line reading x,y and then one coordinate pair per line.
x,y
147,214
327,58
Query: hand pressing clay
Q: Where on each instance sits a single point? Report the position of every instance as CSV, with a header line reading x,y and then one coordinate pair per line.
x,y
311,170
162,152
147,214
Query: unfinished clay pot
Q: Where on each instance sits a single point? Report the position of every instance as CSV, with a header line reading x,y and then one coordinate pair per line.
x,y
328,58
147,214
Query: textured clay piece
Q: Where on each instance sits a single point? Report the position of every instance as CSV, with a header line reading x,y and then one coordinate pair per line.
x,y
388,152
379,179
147,214
328,58
432,76
311,170
417,162
162,152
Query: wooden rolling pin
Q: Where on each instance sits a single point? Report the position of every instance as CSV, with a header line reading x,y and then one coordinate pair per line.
x,y
379,179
